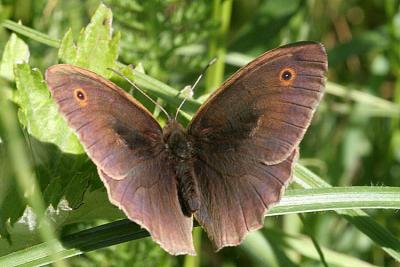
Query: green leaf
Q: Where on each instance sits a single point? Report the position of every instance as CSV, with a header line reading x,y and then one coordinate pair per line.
x,y
16,51
96,48
39,114
63,175
68,49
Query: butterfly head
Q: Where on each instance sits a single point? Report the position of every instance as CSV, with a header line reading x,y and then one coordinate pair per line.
x,y
176,140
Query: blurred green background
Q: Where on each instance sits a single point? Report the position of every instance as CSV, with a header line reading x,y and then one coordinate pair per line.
x,y
354,138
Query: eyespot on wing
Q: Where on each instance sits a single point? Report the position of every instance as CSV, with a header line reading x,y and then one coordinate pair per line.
x,y
81,96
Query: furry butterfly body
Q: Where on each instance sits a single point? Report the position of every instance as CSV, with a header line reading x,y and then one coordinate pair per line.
x,y
226,169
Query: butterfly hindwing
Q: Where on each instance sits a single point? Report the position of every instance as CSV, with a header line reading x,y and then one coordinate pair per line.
x,y
149,198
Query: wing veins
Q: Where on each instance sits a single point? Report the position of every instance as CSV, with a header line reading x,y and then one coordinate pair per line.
x,y
69,113
310,75
309,60
59,85
272,175
62,100
288,123
259,195
84,125
295,104
299,87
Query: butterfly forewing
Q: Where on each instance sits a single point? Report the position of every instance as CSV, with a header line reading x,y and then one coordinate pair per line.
x,y
115,130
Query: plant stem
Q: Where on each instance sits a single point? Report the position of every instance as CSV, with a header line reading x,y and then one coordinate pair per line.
x,y
217,46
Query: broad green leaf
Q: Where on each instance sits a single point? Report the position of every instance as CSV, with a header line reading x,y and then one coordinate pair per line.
x,y
39,114
16,51
96,48
63,175
68,50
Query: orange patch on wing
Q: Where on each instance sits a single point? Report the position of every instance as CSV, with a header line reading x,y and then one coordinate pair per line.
x,y
287,76
81,97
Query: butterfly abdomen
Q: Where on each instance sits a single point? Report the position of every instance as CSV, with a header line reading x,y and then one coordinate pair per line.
x,y
188,192
180,151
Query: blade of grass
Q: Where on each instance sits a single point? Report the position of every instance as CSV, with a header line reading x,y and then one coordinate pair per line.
x,y
334,198
31,33
217,45
314,241
362,97
159,89
317,199
256,245
389,243
27,182
194,261
260,249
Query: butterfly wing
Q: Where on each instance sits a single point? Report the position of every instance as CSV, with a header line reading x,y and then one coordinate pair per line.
x,y
126,144
246,135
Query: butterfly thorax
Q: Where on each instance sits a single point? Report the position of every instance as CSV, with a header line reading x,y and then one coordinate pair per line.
x,y
180,151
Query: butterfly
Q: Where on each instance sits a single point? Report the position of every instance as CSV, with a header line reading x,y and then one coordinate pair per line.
x,y
226,169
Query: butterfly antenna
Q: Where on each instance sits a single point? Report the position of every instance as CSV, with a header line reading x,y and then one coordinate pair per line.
x,y
140,90
212,61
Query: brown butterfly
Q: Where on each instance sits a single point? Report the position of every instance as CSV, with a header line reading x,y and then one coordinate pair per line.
x,y
227,168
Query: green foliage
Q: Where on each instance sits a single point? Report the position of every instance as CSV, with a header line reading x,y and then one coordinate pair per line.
x,y
354,139
16,51
38,113
96,48
164,36
59,175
